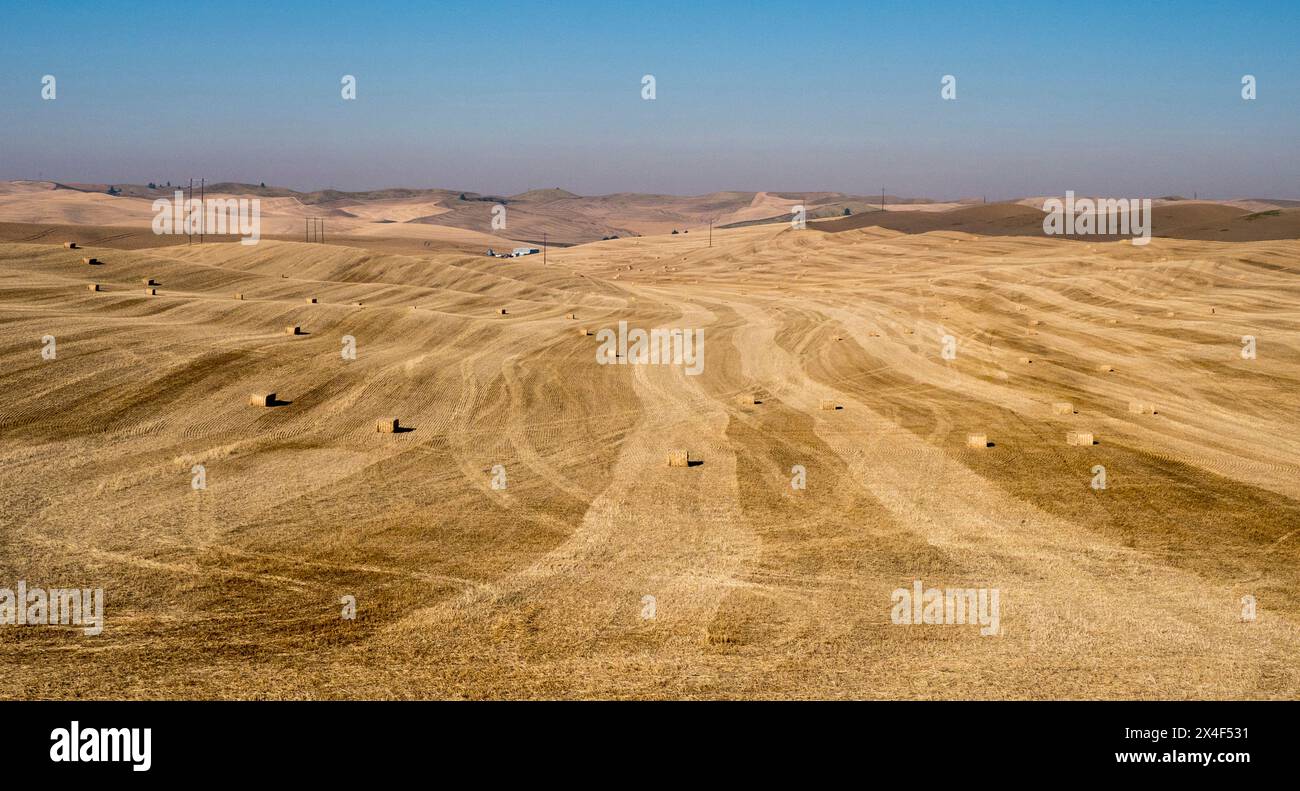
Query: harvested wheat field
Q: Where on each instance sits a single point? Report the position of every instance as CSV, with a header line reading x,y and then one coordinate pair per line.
x,y
521,535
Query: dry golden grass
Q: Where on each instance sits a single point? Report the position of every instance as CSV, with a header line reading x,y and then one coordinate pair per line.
x,y
535,590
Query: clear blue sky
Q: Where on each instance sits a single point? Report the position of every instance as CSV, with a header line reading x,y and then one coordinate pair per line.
x,y
1120,98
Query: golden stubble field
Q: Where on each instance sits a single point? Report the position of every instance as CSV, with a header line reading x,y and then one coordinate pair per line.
x,y
760,590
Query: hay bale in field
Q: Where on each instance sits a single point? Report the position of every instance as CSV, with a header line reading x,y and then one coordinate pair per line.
x,y
149,281
92,286
388,425
1024,360
1062,408
977,440
151,291
70,245
238,295
311,300
1142,408
1112,321
293,329
261,399
748,399
1083,438
90,261
570,315
1106,368
584,331
501,311
1034,322
829,405
679,458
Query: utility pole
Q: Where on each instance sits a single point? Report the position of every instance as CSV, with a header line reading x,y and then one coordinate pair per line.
x,y
314,230
710,232
189,205
543,248
882,198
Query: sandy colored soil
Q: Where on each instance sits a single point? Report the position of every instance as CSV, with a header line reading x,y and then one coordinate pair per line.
x,y
761,591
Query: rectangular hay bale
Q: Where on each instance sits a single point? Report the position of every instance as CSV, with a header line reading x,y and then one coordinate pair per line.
x,y
261,399
1082,438
388,425
977,440
679,458
1063,408
293,329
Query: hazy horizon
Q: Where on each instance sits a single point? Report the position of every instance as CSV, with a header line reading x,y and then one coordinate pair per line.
x,y
770,191
749,97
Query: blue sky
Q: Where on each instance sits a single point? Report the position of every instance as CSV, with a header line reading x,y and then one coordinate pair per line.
x,y
502,97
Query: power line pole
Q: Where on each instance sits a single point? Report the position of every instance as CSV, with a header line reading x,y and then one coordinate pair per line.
x,y
189,206
543,248
314,230
710,232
